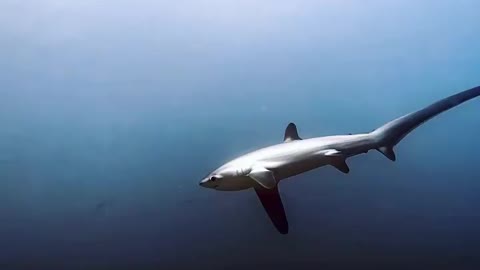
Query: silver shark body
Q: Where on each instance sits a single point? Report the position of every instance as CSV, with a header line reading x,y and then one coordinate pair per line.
x,y
287,159
264,168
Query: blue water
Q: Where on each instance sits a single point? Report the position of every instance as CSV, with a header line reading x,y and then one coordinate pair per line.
x,y
112,111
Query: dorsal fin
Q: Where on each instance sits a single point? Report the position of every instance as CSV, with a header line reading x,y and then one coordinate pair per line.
x,y
291,133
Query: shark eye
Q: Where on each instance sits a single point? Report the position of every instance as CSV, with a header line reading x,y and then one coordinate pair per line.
x,y
213,178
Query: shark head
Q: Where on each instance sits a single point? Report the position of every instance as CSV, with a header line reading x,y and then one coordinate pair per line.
x,y
228,178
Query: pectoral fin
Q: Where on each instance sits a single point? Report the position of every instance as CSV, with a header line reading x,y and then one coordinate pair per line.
x,y
263,177
272,203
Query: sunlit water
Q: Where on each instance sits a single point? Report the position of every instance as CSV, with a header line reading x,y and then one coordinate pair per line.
x,y
112,111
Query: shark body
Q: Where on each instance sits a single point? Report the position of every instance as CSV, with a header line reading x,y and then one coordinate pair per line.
x,y
263,169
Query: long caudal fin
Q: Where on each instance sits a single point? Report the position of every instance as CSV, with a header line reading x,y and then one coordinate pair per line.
x,y
390,134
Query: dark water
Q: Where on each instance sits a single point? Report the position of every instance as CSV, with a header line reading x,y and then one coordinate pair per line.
x,y
112,111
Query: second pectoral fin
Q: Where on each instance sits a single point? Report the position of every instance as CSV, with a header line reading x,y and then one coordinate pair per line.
x,y
263,177
340,164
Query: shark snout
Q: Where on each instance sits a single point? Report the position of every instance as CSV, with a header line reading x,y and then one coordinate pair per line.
x,y
203,182
208,183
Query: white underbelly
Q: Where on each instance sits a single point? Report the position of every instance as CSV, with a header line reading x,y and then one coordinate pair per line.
x,y
299,167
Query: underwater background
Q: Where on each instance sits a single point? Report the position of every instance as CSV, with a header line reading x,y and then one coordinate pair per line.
x,y
112,111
